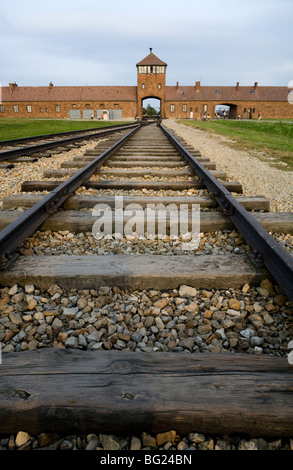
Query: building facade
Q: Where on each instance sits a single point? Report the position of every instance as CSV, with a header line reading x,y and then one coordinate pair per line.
x,y
126,102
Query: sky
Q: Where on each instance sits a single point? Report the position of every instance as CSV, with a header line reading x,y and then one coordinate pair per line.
x,y
94,42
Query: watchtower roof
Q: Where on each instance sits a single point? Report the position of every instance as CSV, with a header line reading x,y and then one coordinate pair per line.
x,y
151,59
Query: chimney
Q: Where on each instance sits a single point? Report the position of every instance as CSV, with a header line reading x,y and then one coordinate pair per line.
x,y
197,86
50,85
177,85
255,86
237,86
12,86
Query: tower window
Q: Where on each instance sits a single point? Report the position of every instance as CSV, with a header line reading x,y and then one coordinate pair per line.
x,y
159,86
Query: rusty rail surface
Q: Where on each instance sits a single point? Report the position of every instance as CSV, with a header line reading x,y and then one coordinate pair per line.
x,y
266,250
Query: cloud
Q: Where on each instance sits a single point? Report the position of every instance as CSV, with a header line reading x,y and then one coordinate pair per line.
x,y
73,42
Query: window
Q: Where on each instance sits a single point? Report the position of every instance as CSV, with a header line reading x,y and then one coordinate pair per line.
x,y
184,108
205,107
159,86
143,86
46,110
102,105
29,109
15,108
217,91
2,108
41,110
74,105
196,110
142,69
172,108
58,108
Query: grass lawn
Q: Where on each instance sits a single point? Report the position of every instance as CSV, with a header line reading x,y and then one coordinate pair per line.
x,y
16,128
272,141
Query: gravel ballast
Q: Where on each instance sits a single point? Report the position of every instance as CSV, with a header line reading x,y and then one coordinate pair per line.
x,y
254,320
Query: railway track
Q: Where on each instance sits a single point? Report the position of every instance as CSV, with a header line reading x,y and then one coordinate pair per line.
x,y
165,298
28,149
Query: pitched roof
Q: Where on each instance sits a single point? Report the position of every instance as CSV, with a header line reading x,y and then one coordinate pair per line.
x,y
227,93
128,93
69,93
151,59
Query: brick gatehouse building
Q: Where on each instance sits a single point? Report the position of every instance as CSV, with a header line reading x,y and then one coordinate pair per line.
x,y
126,102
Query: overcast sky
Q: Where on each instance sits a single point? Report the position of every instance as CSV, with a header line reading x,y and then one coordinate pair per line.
x,y
94,42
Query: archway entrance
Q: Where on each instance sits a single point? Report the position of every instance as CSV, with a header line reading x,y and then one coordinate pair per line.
x,y
151,107
226,111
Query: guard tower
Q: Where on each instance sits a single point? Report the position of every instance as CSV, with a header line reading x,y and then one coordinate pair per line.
x,y
151,82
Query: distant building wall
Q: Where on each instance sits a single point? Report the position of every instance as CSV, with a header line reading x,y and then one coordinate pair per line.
x,y
267,109
56,110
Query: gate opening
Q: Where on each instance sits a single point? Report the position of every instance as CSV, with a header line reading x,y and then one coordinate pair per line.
x,y
226,111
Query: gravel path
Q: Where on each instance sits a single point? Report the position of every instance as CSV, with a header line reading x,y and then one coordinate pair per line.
x,y
257,177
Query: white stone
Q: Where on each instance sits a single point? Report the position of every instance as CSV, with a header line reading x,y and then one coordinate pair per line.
x,y
187,290
21,438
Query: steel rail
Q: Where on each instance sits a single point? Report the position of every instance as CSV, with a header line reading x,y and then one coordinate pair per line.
x,y
266,250
10,154
21,228
57,134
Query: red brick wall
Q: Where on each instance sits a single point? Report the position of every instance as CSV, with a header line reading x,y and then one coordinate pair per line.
x,y
49,108
267,109
154,87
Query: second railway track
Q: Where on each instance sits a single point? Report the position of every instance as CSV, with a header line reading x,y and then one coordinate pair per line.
x,y
209,325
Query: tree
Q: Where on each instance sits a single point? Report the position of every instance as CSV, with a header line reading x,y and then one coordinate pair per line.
x,y
149,111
